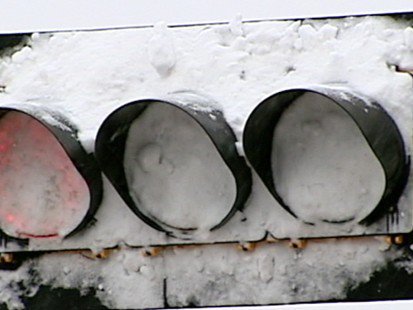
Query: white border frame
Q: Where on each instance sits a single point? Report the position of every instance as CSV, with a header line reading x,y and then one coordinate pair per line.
x,y
49,15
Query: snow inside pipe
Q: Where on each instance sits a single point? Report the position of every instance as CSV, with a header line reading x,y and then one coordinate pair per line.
x,y
49,186
327,155
174,162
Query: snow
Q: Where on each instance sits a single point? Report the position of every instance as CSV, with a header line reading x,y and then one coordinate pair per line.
x,y
219,275
197,101
161,50
323,168
209,275
174,171
140,287
239,65
87,75
52,196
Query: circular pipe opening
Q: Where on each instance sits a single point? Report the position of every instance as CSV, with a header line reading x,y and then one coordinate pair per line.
x,y
43,194
327,155
176,165
174,173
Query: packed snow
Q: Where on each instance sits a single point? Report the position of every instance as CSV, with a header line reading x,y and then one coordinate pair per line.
x,y
87,75
208,275
161,50
323,167
174,171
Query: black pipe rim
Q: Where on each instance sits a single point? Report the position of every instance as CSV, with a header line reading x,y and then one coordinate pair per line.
x,y
83,162
345,99
109,131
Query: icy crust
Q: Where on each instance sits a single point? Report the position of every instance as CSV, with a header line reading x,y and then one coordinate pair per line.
x,y
195,101
90,74
42,193
323,167
174,171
